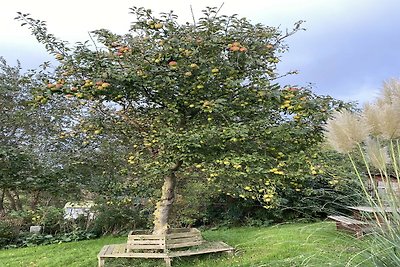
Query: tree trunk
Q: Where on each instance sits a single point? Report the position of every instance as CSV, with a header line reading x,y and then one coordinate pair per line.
x,y
164,205
2,210
13,206
17,200
34,199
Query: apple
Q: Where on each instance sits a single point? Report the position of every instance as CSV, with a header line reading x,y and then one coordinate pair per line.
x,y
105,85
59,57
234,48
114,44
187,52
172,63
158,26
243,49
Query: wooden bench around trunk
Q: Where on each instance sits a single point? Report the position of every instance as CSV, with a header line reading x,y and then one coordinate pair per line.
x,y
177,238
121,251
350,224
175,243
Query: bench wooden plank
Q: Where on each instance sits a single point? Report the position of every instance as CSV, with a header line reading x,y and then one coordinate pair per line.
x,y
101,253
179,235
146,242
184,245
109,250
154,255
212,247
103,250
118,251
145,247
346,220
350,225
184,242
145,237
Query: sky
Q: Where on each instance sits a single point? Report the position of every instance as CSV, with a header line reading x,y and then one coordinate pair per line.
x,y
348,49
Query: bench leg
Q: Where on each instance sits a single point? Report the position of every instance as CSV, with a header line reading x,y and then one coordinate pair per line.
x,y
168,261
359,232
101,262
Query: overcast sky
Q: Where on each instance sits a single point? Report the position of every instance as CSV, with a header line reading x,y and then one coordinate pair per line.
x,y
349,48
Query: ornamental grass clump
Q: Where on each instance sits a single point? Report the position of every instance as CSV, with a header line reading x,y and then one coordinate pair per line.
x,y
373,136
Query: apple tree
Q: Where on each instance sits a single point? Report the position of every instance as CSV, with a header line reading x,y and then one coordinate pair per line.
x,y
193,97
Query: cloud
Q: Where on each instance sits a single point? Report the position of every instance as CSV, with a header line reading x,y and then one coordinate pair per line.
x,y
349,47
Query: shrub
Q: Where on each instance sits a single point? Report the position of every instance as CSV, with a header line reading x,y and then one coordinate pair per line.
x,y
14,231
120,216
374,136
9,231
50,218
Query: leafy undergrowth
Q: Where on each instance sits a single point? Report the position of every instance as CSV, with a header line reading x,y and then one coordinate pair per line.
x,y
298,244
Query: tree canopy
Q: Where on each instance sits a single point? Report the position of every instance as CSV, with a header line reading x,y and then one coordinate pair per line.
x,y
198,97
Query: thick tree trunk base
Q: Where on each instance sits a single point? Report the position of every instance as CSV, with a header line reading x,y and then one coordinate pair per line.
x,y
164,205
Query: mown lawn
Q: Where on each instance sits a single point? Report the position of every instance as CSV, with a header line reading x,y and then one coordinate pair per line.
x,y
297,244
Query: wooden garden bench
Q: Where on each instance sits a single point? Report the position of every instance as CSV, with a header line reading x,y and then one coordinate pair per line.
x,y
350,224
140,245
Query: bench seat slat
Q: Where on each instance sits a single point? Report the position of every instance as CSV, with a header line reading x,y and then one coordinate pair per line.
x,y
346,220
210,247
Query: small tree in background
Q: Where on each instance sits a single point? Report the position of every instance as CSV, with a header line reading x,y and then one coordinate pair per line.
x,y
195,97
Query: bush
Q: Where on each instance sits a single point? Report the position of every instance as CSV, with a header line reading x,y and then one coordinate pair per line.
x,y
9,231
192,202
120,216
14,231
50,218
325,192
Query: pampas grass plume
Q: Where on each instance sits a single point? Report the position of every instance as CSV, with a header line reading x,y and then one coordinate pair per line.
x,y
345,130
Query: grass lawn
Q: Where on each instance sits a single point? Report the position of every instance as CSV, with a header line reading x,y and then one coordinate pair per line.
x,y
297,244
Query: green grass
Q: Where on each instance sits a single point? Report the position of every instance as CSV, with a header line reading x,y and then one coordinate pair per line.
x,y
315,244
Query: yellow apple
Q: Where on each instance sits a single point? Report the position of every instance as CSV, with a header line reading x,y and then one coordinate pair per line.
x,y
158,25
105,85
59,57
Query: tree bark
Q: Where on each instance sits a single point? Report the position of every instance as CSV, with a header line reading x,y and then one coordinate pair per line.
x,y
13,206
164,205
34,199
2,210
18,200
